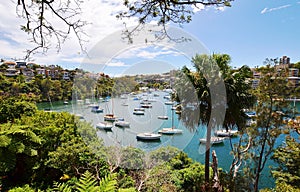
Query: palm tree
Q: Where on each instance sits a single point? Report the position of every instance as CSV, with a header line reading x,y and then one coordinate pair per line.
x,y
219,89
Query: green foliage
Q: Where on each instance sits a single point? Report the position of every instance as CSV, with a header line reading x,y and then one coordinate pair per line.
x,y
161,179
190,178
164,154
25,188
108,183
61,187
87,183
132,158
270,110
12,108
288,158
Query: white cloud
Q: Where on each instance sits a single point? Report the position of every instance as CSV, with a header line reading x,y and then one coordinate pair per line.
x,y
116,64
267,10
97,12
198,8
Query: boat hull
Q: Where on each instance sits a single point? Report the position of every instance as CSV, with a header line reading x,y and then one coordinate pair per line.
x,y
213,140
148,136
170,131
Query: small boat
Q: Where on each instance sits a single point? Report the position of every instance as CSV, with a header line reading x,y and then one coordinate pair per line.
x,y
122,124
138,109
146,106
170,131
138,112
213,140
148,136
164,117
169,103
123,97
93,105
224,133
97,109
167,97
79,116
66,102
124,104
178,111
104,125
110,117
155,95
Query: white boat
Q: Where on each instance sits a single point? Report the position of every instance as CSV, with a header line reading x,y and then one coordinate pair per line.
x,y
170,131
138,112
138,109
122,124
148,136
104,125
66,102
124,104
110,117
224,133
213,140
146,106
124,97
79,116
97,109
169,103
167,97
164,117
93,105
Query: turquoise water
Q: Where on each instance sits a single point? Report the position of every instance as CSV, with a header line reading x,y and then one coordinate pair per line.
x,y
188,141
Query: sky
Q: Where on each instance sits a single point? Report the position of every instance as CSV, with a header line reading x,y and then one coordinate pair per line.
x,y
250,31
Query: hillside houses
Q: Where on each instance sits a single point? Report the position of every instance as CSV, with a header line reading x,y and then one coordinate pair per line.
x,y
29,70
284,64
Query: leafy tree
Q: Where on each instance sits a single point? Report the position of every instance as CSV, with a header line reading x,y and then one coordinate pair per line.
x,y
12,108
287,157
257,141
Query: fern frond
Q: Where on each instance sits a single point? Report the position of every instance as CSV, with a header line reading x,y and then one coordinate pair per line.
x,y
87,183
61,187
108,183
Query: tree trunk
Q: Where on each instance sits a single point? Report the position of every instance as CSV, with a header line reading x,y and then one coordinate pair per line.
x,y
207,154
216,186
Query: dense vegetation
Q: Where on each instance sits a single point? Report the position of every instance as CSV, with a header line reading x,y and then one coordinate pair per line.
x,y
51,151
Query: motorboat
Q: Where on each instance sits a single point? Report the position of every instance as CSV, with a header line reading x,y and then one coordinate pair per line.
x,y
224,133
97,109
163,117
146,106
148,136
169,103
104,125
138,109
139,112
170,131
122,124
110,117
213,140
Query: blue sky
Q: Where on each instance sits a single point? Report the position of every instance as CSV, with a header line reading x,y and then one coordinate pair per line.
x,y
250,31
